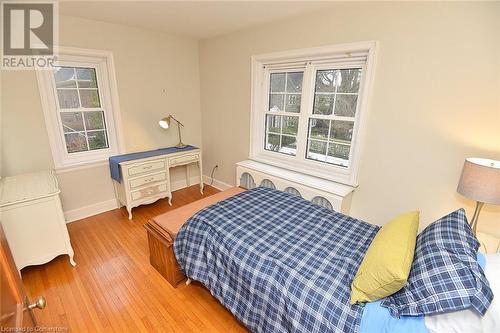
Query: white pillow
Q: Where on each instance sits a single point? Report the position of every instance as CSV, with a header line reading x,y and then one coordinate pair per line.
x,y
467,320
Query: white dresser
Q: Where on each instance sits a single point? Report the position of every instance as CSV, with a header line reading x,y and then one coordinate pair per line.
x,y
33,220
145,180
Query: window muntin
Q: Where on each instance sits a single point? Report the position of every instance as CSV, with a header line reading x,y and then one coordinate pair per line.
x,y
82,118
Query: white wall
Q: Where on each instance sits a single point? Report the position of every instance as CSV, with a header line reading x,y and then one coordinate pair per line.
x,y
147,63
435,98
435,101
1,138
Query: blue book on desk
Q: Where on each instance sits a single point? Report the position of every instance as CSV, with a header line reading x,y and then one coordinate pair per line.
x,y
114,161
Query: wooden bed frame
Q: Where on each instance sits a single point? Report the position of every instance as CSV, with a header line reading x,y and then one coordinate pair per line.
x,y
162,230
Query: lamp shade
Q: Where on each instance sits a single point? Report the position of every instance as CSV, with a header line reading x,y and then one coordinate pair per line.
x,y
164,122
480,180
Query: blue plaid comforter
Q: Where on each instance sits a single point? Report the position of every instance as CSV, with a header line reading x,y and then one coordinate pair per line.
x,y
278,262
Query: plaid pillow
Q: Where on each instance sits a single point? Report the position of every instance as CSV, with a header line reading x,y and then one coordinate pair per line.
x,y
445,275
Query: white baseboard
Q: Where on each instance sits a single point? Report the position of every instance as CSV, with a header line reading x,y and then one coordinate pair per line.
x,y
101,207
90,210
220,185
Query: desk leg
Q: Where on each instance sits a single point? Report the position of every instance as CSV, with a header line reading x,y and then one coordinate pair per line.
x,y
201,176
169,186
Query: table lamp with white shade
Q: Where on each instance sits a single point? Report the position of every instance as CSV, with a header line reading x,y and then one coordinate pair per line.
x,y
165,123
480,181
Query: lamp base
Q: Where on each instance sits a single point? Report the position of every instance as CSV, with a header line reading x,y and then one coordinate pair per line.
x,y
180,145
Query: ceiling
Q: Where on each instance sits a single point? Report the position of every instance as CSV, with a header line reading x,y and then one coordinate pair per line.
x,y
196,19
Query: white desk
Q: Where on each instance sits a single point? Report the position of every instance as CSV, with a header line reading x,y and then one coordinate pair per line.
x,y
146,180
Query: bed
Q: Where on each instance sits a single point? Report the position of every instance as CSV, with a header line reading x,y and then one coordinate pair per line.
x,y
282,264
276,261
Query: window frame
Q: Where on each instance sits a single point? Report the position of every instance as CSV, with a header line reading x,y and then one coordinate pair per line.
x,y
262,66
103,63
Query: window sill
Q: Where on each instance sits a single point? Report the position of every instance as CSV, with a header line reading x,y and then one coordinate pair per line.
x,y
310,168
81,166
318,183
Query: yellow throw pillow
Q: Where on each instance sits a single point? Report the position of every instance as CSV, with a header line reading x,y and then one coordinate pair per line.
x,y
386,265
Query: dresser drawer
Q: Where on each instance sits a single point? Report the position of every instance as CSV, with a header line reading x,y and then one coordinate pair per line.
x,y
148,191
185,159
144,180
146,167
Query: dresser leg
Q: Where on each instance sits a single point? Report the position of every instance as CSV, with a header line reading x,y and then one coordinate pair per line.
x,y
129,213
170,200
71,260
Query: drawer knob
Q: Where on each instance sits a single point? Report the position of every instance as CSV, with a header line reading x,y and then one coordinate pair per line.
x,y
40,303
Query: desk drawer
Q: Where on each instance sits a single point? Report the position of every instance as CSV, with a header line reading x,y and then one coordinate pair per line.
x,y
146,167
144,180
185,159
148,191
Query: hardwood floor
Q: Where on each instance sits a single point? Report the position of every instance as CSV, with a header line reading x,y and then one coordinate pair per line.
x,y
113,288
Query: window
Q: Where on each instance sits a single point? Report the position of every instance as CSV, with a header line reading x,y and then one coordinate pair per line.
x,y
82,118
285,94
308,108
331,124
80,106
